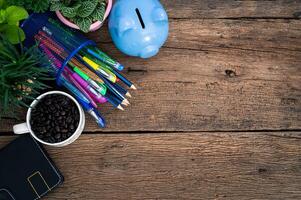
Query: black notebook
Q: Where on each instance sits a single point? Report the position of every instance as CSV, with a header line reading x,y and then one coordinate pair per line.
x,y
26,171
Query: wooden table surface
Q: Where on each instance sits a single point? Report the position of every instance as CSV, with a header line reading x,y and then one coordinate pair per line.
x,y
217,114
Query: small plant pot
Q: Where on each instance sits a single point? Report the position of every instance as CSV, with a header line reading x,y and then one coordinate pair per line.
x,y
95,26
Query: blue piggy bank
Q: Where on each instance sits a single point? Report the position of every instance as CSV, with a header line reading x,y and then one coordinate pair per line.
x,y
138,27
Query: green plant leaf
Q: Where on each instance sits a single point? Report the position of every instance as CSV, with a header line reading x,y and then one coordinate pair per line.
x,y
2,27
2,4
56,6
14,14
14,34
86,9
39,6
34,5
70,12
2,16
99,12
83,23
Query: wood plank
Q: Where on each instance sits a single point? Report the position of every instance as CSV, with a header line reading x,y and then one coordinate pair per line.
x,y
201,81
232,8
218,75
269,35
180,166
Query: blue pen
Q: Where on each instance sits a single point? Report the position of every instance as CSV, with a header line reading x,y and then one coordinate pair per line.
x,y
105,58
107,82
85,103
93,112
102,64
75,91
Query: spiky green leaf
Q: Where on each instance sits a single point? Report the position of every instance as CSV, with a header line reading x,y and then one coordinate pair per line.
x,y
17,68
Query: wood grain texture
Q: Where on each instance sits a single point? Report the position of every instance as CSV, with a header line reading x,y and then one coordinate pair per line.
x,y
233,9
212,75
217,75
180,166
228,65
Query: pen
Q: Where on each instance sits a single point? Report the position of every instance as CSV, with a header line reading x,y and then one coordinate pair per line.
x,y
98,87
84,102
107,82
118,75
91,91
84,87
109,75
58,64
93,112
104,58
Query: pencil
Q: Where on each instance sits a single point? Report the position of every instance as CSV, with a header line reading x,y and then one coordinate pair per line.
x,y
107,82
106,66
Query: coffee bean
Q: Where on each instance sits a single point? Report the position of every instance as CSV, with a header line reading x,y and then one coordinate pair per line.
x,y
39,136
57,129
57,136
43,130
71,127
48,102
54,118
51,140
69,120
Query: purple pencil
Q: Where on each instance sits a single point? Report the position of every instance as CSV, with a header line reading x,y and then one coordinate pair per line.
x,y
58,64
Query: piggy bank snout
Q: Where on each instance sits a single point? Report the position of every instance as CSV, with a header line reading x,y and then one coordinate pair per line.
x,y
149,51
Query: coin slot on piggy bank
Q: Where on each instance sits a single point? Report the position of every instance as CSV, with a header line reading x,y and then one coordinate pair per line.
x,y
138,28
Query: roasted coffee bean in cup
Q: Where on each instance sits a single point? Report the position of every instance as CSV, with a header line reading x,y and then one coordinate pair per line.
x,y
55,118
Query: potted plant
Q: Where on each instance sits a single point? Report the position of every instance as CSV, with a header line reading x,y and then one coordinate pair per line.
x,y
21,76
86,15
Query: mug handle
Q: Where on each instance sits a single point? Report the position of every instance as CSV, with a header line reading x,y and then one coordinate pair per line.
x,y
21,129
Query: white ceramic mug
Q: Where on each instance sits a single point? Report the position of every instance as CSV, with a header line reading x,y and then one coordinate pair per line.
x,y
26,128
